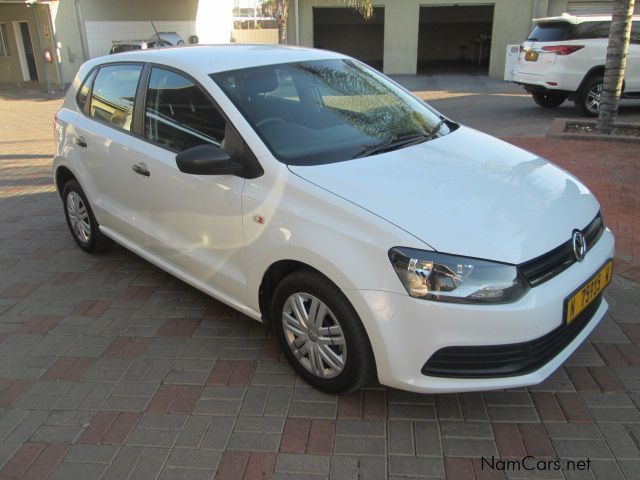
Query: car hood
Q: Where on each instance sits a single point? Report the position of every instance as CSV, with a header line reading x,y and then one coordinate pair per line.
x,y
465,193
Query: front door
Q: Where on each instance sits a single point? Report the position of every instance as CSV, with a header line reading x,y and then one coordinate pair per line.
x,y
194,222
26,53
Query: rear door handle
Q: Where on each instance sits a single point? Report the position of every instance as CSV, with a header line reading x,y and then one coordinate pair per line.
x,y
80,141
141,169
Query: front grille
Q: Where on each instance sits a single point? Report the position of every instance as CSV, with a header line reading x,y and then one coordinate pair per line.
x,y
547,266
490,361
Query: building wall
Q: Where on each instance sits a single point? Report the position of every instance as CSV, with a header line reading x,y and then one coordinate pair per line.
x,y
10,71
512,22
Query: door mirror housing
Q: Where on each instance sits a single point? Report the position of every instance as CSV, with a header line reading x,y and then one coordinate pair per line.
x,y
207,159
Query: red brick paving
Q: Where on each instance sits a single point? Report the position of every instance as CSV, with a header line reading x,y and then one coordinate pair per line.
x,y
127,347
34,461
12,390
231,372
109,427
69,369
548,407
92,308
175,399
40,324
573,408
535,440
508,440
311,436
459,468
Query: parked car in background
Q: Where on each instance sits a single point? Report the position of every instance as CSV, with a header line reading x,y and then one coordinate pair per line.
x,y
160,39
564,57
303,188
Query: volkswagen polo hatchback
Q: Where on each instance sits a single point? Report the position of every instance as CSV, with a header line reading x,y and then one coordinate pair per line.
x,y
302,188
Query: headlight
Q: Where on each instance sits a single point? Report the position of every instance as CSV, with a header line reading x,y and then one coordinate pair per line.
x,y
449,278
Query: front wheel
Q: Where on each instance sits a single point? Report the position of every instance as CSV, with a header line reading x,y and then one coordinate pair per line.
x,y
321,333
549,99
590,96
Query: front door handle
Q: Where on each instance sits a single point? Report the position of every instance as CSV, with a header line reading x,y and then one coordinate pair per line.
x,y
80,141
141,169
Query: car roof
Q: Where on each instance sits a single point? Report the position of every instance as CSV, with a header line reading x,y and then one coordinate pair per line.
x,y
218,58
575,19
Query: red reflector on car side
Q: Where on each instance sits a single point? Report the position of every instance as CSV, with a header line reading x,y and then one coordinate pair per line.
x,y
562,49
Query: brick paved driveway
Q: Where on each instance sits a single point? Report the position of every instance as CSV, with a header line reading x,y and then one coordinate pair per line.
x,y
110,368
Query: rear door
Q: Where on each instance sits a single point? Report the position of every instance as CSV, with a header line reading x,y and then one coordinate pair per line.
x,y
103,138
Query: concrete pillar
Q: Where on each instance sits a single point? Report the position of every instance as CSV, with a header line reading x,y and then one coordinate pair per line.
x,y
214,21
401,23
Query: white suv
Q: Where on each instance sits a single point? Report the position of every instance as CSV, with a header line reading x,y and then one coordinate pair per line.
x,y
304,188
564,57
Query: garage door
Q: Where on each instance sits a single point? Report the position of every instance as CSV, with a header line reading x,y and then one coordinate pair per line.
x,y
592,8
344,30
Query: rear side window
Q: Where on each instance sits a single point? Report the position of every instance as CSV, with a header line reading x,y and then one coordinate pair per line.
x,y
587,30
550,32
83,92
114,93
178,115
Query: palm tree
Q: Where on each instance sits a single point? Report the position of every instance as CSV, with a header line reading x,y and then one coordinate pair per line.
x,y
616,63
280,9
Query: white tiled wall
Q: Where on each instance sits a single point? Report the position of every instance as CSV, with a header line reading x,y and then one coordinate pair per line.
x,y
101,34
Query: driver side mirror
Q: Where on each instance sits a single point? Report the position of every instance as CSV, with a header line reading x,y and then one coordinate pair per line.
x,y
207,159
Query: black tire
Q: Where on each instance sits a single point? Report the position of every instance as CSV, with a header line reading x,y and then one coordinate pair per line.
x,y
359,367
584,100
95,241
549,99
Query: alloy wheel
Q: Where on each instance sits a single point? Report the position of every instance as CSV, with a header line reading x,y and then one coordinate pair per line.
x,y
594,97
79,217
314,335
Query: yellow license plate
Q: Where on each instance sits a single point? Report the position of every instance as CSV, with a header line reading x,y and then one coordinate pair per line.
x,y
531,56
587,293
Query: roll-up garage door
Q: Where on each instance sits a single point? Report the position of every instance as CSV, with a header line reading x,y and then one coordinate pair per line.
x,y
592,8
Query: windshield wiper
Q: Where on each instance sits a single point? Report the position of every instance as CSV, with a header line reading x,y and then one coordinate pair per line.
x,y
394,143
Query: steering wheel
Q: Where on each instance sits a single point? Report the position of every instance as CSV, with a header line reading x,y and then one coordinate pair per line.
x,y
267,120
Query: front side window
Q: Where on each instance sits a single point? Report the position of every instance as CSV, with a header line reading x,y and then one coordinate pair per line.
x,y
114,93
326,111
178,115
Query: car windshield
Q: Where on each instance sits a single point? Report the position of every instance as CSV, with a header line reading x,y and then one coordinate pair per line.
x,y
318,112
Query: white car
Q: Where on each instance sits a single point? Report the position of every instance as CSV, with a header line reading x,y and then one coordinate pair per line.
x,y
303,188
564,57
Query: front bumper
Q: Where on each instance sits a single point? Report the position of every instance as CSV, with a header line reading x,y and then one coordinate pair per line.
x,y
405,332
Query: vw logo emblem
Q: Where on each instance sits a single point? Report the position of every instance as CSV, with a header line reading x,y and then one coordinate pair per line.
x,y
579,245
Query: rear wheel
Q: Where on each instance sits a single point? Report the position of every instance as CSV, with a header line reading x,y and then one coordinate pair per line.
x,y
549,99
590,96
321,333
80,219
